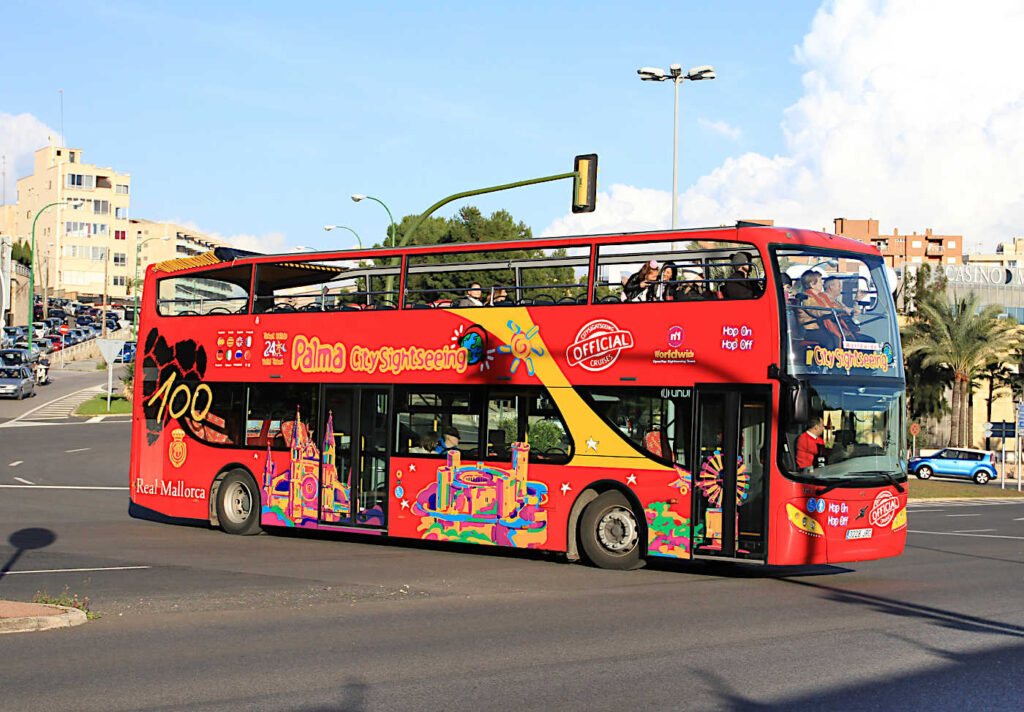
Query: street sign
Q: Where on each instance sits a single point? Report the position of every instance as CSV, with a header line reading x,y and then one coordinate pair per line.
x,y
110,348
1000,429
64,329
915,429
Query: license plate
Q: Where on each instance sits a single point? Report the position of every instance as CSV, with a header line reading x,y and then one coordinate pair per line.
x,y
858,533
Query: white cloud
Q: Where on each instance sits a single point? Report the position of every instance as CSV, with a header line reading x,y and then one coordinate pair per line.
x,y
269,243
21,135
912,113
721,128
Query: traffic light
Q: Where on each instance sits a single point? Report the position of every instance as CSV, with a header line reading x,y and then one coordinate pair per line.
x,y
584,193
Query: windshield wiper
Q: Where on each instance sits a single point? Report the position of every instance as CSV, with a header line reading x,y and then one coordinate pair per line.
x,y
886,475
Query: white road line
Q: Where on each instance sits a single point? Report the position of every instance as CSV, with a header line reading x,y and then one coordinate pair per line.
x,y
23,481
983,536
79,449
61,571
16,463
68,487
96,419
79,393
972,531
922,511
963,515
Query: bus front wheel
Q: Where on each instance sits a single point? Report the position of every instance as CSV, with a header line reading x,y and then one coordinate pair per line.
x,y
238,504
610,533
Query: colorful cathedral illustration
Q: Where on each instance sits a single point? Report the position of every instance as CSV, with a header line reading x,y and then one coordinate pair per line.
x,y
293,494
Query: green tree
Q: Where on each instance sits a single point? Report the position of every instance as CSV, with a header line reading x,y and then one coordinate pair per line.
x,y
958,334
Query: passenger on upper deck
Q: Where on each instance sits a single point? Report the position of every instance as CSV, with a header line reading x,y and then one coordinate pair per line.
x,y
665,290
691,287
473,296
641,286
740,285
818,317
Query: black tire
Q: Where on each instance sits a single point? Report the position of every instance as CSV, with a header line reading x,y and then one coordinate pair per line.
x,y
609,532
238,504
982,477
924,472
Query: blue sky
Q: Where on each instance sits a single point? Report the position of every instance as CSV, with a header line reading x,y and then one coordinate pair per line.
x,y
260,118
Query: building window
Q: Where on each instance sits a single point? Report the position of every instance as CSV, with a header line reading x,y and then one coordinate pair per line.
x,y
71,154
951,244
916,244
121,189
97,254
80,181
118,280
100,207
951,260
120,259
119,234
120,213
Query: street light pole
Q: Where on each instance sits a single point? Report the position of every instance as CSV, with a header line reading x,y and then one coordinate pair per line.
x,y
328,228
135,283
676,76
32,272
356,197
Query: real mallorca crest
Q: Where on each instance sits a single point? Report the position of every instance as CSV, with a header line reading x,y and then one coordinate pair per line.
x,y
177,451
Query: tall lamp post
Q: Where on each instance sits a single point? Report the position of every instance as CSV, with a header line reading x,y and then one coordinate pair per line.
x,y
356,197
32,271
328,228
676,76
135,283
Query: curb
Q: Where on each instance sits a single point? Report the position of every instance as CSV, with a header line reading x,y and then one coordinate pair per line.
x,y
63,617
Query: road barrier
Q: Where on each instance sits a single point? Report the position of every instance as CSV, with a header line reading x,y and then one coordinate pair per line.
x,y
87,349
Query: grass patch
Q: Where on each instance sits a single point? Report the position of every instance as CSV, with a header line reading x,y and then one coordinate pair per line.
x,y
98,406
929,489
67,599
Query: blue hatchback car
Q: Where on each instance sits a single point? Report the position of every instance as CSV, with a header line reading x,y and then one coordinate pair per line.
x,y
955,462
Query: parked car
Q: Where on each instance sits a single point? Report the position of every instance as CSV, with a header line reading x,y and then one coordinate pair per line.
x,y
83,320
56,343
977,465
16,382
15,332
76,336
126,354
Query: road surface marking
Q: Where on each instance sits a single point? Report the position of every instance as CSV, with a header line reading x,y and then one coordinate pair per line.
x,y
70,487
16,463
96,419
972,531
1019,519
79,397
79,449
62,571
984,536
922,511
24,481
963,515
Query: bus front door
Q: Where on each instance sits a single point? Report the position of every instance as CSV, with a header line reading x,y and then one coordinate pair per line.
x,y
730,480
354,472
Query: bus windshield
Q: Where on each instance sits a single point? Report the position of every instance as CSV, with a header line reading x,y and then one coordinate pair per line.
x,y
853,433
839,314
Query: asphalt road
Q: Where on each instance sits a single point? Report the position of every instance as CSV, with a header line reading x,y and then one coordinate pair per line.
x,y
196,619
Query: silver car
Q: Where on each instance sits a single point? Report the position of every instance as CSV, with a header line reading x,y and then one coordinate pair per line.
x,y
16,382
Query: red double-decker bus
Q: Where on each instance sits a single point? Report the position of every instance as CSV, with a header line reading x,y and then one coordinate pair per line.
x,y
733,393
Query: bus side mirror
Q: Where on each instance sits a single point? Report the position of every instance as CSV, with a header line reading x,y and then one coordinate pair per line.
x,y
799,402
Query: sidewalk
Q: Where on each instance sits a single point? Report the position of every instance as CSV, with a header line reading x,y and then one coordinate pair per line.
x,y
18,617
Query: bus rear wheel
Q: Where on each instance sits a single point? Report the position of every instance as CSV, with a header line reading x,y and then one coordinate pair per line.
x,y
610,533
238,504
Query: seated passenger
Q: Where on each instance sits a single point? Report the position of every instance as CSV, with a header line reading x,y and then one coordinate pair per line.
x,y
665,290
449,440
740,285
691,286
641,285
473,297
846,315
818,318
498,295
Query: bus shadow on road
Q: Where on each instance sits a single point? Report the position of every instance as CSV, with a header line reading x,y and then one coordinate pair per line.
x,y
25,540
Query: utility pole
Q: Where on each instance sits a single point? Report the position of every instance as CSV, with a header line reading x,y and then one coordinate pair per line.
x,y
106,273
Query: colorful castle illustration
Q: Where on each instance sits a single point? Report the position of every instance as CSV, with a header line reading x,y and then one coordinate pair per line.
x,y
484,505
293,494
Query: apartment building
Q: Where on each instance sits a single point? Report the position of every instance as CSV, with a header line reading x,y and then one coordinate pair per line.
x,y
1008,254
83,244
899,250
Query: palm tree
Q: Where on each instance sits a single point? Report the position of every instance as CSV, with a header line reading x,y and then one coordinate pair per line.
x,y
956,333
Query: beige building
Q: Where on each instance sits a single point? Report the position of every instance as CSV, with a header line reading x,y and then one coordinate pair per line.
x,y
1007,254
83,244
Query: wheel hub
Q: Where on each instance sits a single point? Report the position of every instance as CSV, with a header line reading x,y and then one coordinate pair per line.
x,y
617,531
239,501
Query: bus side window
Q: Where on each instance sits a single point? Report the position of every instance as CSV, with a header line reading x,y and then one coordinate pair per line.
x,y
273,410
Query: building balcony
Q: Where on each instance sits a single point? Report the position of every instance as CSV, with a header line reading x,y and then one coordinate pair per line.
x,y
935,251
